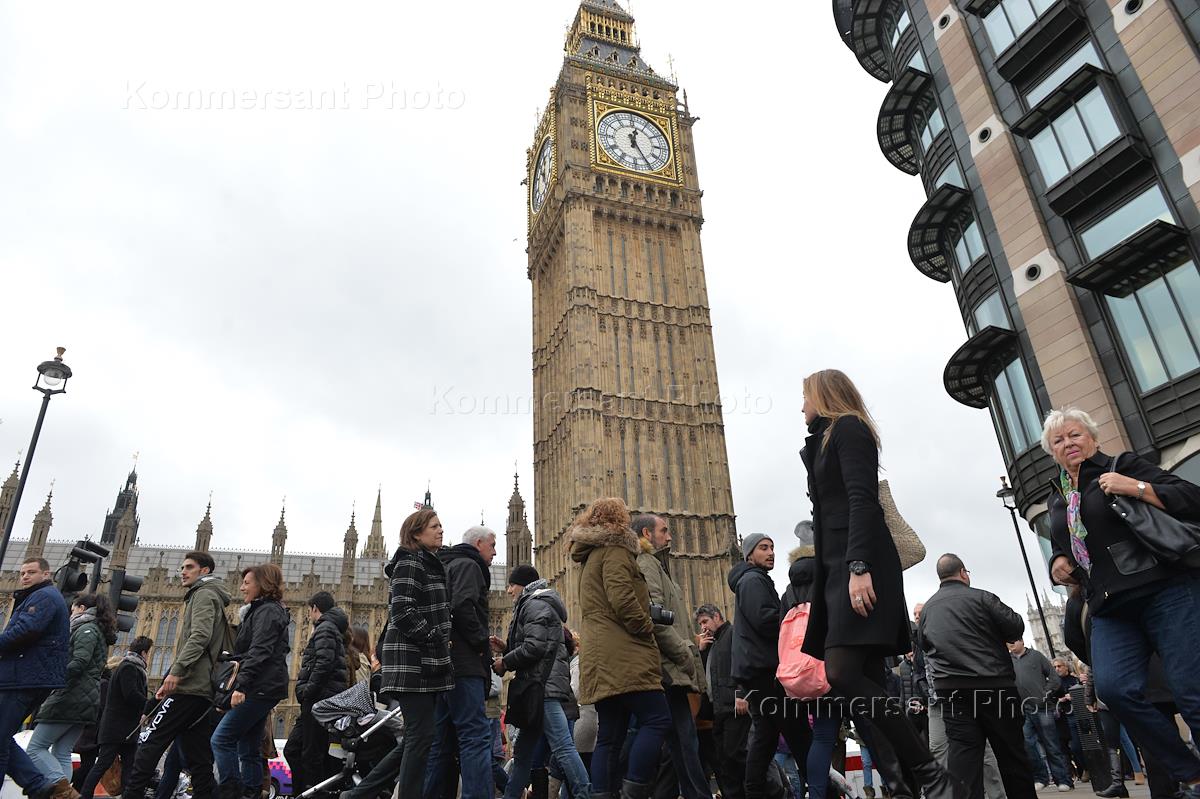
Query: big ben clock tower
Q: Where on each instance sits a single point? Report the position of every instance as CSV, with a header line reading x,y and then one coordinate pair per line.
x,y
624,374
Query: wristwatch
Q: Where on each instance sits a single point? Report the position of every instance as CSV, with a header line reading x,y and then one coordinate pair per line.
x,y
1141,487
859,567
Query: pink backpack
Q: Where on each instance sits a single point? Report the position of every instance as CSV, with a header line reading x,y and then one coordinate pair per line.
x,y
802,676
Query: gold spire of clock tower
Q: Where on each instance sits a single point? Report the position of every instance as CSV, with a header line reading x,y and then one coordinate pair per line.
x,y
623,366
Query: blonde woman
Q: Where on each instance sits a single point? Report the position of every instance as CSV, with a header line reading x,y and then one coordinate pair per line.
x,y
858,614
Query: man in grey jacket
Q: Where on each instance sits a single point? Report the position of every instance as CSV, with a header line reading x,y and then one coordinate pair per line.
x,y
461,713
1038,683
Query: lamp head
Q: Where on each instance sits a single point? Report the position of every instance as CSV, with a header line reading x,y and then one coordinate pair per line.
x,y
1006,493
53,375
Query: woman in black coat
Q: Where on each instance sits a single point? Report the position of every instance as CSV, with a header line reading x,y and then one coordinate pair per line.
x,y
858,615
124,704
1139,604
261,651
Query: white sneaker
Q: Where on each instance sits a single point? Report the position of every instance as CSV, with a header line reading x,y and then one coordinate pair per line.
x,y
1037,786
1065,788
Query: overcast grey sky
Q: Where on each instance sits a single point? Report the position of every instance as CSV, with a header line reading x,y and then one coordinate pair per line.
x,y
272,300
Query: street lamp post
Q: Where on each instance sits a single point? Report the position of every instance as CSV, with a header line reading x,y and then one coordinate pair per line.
x,y
52,379
1006,493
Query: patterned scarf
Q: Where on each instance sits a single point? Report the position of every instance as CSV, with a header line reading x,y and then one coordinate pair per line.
x,y
1078,532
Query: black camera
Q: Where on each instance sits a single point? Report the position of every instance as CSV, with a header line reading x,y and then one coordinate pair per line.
x,y
660,615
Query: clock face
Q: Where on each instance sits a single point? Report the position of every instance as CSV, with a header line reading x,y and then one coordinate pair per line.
x,y
541,177
633,141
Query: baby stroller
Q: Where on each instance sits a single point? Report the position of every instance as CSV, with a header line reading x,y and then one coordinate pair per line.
x,y
353,718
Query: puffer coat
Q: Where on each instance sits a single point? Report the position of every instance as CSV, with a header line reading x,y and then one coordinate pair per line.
x,y
535,639
34,644
261,649
416,645
323,667
78,702
620,655
679,654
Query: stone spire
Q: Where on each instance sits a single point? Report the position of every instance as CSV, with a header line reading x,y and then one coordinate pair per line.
x,y
7,492
278,539
517,538
204,530
376,548
36,547
349,548
127,497
126,537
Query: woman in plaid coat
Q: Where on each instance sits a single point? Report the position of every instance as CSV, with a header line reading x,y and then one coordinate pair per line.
x,y
416,646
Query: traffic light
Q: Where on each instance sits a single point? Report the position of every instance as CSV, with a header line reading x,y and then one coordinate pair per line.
x,y
72,576
123,590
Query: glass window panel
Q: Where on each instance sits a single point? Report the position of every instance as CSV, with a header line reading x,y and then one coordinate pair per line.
x,y
926,139
1071,137
1049,157
961,257
1020,14
952,175
1008,412
918,62
1084,55
974,241
1125,221
1041,7
1148,368
990,313
901,26
1030,419
998,30
936,123
1173,341
1185,285
1098,118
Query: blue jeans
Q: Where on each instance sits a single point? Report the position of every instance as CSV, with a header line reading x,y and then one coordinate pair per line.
x,y
1166,622
613,714
460,712
867,764
15,705
50,748
562,749
820,754
788,764
1040,728
237,743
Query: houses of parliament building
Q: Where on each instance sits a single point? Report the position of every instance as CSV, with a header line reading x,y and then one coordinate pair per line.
x,y
355,577
624,366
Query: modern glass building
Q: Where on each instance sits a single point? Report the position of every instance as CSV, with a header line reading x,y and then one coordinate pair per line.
x,y
1058,142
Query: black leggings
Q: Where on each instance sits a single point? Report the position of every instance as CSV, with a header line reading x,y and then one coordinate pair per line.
x,y
857,674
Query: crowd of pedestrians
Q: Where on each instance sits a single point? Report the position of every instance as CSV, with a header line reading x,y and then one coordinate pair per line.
x,y
643,696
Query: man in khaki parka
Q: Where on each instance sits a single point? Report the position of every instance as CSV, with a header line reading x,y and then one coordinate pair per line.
x,y
681,670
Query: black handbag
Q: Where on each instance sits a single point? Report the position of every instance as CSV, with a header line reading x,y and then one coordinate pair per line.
x,y
1170,540
525,698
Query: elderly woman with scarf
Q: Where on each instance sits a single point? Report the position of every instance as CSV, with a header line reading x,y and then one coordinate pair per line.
x,y
65,713
1139,605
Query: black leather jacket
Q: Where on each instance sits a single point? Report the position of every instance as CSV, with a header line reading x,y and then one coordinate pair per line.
x,y
963,631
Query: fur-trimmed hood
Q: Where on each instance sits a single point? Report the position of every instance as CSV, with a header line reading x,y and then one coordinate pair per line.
x,y
802,552
586,538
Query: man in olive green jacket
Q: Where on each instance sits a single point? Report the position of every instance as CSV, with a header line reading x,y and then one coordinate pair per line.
x,y
186,695
681,670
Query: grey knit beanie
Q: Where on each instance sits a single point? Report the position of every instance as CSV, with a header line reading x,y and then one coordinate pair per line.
x,y
751,541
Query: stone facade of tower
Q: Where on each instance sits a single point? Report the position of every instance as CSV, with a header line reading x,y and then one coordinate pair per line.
x,y
1054,608
127,499
278,540
375,547
624,373
126,537
204,531
8,492
518,542
40,533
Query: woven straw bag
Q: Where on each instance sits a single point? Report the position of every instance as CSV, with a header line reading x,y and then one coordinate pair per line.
x,y
908,544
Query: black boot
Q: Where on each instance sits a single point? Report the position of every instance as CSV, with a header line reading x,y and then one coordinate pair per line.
x,y
937,782
635,790
883,755
539,783
1116,788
